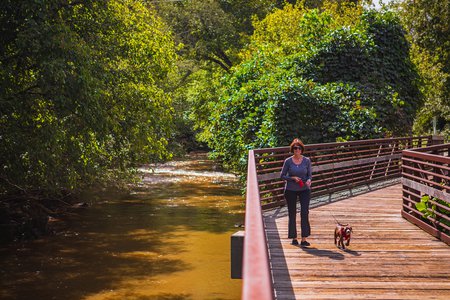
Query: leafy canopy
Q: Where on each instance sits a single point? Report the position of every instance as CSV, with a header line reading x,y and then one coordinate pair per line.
x,y
80,91
428,27
339,73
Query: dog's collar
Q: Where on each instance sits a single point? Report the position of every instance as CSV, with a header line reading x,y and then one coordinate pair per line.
x,y
344,234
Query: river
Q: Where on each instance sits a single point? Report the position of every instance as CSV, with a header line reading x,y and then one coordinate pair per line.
x,y
168,239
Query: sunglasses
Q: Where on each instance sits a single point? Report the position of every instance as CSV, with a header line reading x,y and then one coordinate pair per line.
x,y
297,148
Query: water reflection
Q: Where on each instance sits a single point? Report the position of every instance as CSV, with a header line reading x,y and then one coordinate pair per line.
x,y
169,239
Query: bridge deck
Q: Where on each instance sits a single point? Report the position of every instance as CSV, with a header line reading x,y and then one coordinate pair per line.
x,y
388,257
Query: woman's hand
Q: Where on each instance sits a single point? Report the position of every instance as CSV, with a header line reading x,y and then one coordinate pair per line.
x,y
296,179
308,182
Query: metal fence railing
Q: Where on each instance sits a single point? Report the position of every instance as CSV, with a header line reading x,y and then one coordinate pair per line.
x,y
426,189
335,166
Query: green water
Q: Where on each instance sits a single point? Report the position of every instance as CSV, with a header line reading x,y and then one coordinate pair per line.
x,y
168,239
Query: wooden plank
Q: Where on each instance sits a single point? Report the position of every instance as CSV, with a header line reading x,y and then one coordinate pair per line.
x,y
426,163
427,156
388,257
423,172
417,179
269,176
426,189
354,162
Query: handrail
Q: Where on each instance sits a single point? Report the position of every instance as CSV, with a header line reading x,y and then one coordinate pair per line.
x,y
426,171
351,143
256,274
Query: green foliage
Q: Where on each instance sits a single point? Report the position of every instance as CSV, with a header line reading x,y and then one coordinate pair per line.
x,y
191,100
213,30
209,34
344,77
203,28
422,206
429,208
80,91
374,56
242,12
428,27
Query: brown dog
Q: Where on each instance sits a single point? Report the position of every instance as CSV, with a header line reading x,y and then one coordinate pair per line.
x,y
342,233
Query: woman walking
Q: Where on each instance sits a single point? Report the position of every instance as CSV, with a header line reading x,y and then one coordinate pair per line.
x,y
297,174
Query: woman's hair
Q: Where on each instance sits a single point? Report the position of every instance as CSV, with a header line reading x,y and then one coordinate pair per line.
x,y
297,142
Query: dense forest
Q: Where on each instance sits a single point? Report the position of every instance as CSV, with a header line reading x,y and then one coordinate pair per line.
x,y
90,90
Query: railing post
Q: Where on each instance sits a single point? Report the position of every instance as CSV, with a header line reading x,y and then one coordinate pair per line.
x,y
437,139
237,251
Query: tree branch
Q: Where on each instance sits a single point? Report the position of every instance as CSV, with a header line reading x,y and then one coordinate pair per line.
x,y
182,80
220,63
14,185
220,53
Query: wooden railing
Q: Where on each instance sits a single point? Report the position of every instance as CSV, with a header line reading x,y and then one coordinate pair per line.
x,y
335,166
256,275
426,180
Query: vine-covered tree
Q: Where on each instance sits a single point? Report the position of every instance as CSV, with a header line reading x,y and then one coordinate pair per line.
x,y
338,73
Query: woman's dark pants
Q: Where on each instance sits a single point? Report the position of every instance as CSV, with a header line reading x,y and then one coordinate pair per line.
x,y
291,199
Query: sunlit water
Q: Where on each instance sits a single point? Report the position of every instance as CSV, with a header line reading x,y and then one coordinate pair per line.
x,y
169,239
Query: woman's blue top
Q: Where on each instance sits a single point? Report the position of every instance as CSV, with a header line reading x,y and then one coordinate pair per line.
x,y
302,170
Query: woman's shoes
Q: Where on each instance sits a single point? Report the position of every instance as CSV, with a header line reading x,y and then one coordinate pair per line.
x,y
304,243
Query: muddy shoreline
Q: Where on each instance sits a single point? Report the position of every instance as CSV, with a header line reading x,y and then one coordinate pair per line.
x,y
26,217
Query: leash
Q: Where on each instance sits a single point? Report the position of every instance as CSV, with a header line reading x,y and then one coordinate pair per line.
x,y
337,222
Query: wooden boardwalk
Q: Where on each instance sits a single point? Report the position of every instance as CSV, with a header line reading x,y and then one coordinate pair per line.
x,y
388,257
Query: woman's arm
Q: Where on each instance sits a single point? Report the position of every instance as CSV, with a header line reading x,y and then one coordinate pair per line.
x,y
309,171
284,170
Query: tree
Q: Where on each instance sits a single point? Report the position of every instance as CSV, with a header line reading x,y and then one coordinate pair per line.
x,y
338,73
205,30
80,92
209,35
428,27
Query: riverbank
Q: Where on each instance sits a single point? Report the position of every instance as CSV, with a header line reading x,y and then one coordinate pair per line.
x,y
33,215
28,217
168,238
